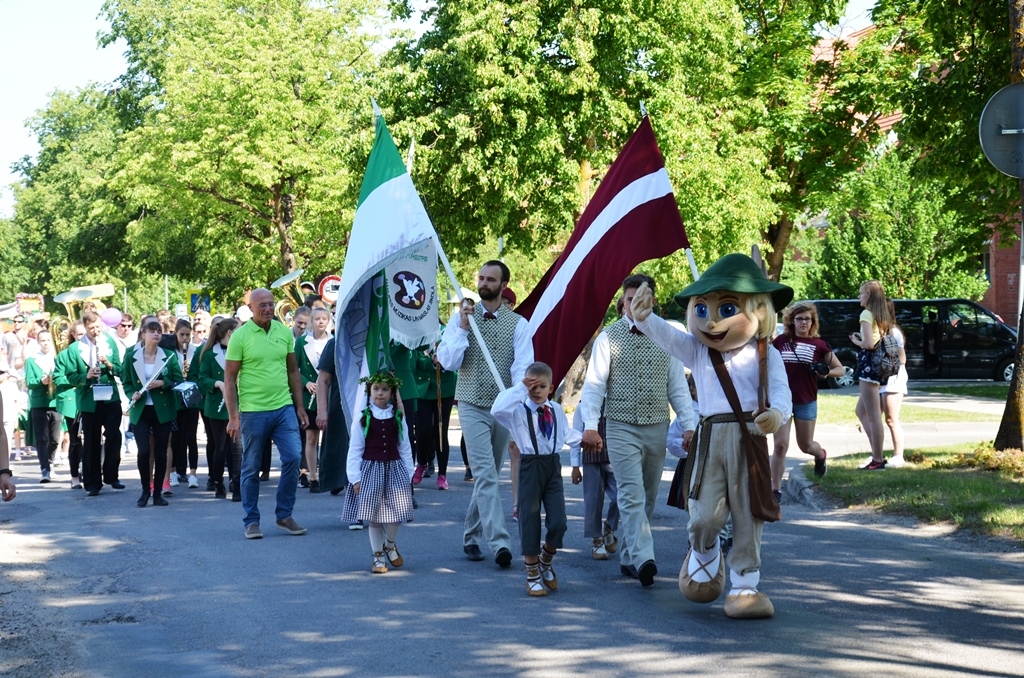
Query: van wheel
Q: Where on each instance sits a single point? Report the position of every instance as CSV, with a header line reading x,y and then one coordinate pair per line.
x,y
1005,370
845,380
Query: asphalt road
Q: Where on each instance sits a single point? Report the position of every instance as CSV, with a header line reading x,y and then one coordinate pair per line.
x,y
98,587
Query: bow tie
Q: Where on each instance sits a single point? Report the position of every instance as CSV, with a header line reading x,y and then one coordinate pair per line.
x,y
489,316
634,330
547,420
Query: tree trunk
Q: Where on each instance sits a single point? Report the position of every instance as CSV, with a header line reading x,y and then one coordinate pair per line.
x,y
285,219
1011,428
778,238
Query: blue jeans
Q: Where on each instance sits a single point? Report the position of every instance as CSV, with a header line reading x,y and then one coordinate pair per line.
x,y
283,427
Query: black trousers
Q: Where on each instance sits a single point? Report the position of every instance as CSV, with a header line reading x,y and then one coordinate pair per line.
x,y
149,424
46,427
74,444
440,420
227,453
184,442
99,465
419,418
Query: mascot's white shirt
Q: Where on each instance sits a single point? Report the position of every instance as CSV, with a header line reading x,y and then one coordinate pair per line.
x,y
741,363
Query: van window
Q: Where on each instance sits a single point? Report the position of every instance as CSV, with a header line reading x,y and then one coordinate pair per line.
x,y
970,318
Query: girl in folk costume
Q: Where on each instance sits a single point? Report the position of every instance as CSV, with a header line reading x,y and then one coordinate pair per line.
x,y
380,469
183,440
148,378
308,349
226,452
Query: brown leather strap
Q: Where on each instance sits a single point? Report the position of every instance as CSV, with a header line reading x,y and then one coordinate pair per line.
x,y
762,376
730,394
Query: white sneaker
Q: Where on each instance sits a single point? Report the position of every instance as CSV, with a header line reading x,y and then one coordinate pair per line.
x,y
895,461
193,481
174,479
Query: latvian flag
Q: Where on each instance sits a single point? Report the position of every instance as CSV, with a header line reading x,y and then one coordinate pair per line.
x,y
632,218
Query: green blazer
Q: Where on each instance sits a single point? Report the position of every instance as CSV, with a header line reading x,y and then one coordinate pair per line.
x,y
38,392
72,366
133,376
308,371
410,368
210,372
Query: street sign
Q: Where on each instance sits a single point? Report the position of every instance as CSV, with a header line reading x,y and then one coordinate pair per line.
x,y
1001,130
329,288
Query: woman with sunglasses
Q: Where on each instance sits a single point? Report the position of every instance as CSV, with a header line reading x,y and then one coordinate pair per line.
x,y
149,375
807,359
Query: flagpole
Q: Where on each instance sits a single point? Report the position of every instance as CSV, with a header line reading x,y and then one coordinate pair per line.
x,y
472,321
693,264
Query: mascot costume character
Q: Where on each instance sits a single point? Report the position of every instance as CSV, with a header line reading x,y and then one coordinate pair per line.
x,y
743,395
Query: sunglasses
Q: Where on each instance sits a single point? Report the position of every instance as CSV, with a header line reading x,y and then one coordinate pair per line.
x,y
127,326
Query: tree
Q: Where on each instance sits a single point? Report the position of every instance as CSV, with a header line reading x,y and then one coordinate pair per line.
x,y
517,109
249,154
887,225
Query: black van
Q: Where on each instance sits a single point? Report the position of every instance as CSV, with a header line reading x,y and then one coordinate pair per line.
x,y
945,338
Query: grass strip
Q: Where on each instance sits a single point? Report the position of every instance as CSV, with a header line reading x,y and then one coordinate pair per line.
x,y
996,391
954,484
840,409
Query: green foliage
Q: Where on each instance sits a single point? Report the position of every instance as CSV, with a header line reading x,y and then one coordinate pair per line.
x,y
249,157
14,274
518,108
889,225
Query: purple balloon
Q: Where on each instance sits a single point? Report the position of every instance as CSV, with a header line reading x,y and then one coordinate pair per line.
x,y
111,317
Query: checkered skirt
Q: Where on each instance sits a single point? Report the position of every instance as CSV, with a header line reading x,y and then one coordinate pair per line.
x,y
385,495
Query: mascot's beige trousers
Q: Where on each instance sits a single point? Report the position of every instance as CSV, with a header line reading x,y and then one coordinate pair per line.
x,y
718,489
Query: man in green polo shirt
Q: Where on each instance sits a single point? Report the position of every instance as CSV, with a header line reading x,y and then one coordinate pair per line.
x,y
263,394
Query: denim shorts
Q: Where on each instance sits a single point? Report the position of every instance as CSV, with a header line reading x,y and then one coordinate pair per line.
x,y
806,412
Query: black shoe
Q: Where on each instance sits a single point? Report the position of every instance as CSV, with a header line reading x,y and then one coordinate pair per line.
x,y
117,485
264,477
468,477
303,480
236,493
473,553
92,493
314,486
629,571
159,501
503,558
429,471
143,500
220,491
211,485
820,465
778,496
336,491
415,504
646,573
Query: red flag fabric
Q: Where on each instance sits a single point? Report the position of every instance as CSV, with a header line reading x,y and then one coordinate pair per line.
x,y
633,217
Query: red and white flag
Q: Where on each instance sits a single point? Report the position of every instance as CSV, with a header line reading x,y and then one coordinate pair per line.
x,y
633,217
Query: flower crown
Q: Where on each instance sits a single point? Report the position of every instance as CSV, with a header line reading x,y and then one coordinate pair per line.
x,y
382,377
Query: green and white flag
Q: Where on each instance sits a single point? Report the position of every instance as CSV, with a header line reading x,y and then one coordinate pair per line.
x,y
391,263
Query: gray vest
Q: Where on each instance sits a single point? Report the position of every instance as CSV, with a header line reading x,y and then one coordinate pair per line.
x,y
637,378
476,385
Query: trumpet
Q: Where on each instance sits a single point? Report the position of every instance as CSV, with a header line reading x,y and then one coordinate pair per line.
x,y
292,288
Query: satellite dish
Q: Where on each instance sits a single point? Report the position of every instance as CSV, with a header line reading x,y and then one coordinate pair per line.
x,y
286,278
1001,130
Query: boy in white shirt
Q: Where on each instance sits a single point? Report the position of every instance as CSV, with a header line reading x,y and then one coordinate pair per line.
x,y
540,430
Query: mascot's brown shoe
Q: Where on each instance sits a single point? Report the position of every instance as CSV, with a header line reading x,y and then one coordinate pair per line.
x,y
701,592
748,606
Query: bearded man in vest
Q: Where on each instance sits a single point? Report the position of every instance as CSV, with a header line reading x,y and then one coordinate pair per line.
x,y
636,380
506,336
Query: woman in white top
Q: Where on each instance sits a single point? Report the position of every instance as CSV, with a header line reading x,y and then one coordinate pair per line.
x,y
891,394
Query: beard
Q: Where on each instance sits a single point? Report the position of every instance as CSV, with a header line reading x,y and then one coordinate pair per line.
x,y
488,294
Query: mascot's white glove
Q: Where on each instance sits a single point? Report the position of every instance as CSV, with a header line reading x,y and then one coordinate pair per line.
x,y
768,421
643,303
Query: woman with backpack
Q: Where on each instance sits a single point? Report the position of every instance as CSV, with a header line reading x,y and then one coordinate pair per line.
x,y
875,322
891,394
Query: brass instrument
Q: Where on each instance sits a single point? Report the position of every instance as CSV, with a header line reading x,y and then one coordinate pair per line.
x,y
292,289
60,325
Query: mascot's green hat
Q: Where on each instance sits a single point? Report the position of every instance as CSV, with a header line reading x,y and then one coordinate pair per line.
x,y
736,273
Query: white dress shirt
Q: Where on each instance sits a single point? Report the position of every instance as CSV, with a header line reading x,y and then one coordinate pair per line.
x,y
511,409
455,341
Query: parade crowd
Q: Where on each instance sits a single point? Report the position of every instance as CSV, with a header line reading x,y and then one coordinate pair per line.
x,y
112,385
